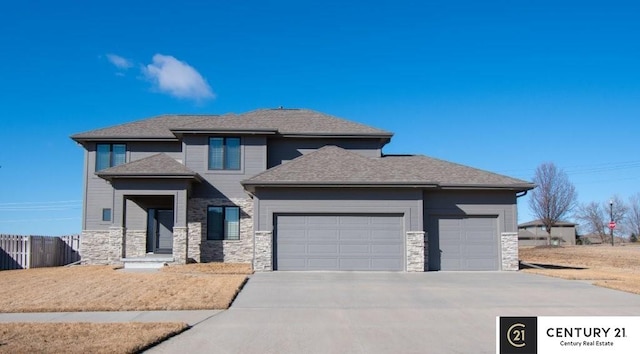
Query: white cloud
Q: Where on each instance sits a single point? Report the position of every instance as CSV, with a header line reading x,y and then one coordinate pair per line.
x,y
177,78
119,62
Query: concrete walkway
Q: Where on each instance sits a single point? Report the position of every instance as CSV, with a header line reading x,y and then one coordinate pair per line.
x,y
190,317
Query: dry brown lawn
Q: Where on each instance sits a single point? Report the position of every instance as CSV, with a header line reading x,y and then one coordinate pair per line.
x,y
84,337
611,267
103,288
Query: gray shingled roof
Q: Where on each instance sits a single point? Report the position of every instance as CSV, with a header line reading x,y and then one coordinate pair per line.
x,y
280,121
539,222
150,128
445,173
158,165
332,165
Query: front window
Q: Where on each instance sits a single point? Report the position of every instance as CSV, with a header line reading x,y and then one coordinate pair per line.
x,y
110,155
224,153
106,214
223,223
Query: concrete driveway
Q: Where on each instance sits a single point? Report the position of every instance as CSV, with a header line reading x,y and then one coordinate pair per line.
x,y
355,312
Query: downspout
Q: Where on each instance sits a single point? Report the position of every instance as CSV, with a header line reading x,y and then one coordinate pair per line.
x,y
521,195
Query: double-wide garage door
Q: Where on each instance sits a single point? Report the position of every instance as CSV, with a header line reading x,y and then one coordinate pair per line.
x,y
463,243
339,242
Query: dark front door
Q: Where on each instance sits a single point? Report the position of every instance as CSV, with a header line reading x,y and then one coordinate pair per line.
x,y
160,231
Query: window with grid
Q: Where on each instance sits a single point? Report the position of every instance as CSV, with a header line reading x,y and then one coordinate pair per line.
x,y
224,153
110,155
223,223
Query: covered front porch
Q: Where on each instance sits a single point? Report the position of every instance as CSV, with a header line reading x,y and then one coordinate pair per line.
x,y
150,210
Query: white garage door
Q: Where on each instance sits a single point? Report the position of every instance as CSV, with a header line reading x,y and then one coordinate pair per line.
x,y
463,243
339,242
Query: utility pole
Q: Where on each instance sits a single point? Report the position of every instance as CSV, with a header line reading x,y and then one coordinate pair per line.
x,y
611,224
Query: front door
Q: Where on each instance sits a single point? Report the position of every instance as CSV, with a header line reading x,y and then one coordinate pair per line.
x,y
160,231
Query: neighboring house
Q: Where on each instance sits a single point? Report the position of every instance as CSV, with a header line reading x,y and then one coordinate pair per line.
x,y
593,239
534,233
288,189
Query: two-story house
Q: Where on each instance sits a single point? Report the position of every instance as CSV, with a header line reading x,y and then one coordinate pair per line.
x,y
288,189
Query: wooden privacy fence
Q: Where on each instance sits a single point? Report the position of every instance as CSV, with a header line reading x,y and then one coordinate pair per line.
x,y
22,252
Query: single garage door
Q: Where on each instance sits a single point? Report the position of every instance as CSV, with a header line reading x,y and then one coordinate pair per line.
x,y
463,243
339,242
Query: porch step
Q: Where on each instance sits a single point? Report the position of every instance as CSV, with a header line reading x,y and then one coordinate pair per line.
x,y
148,262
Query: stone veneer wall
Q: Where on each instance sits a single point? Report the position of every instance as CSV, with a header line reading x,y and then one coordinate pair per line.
x,y
180,245
263,261
135,243
415,251
194,239
101,246
240,251
509,241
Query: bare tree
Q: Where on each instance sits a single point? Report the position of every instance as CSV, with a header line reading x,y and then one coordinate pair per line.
x,y
594,217
633,220
554,196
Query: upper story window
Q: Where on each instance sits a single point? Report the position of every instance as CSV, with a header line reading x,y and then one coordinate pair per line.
x,y
224,153
109,155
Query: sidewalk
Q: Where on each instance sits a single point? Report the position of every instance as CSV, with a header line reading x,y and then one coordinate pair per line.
x,y
190,317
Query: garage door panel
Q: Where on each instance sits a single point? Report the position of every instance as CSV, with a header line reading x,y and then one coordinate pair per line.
x,y
321,221
292,248
352,220
480,251
355,263
329,249
354,249
328,235
393,249
292,235
480,264
354,235
383,235
321,263
386,263
339,242
480,236
292,262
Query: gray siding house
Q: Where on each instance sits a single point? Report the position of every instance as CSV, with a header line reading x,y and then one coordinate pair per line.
x,y
287,189
534,233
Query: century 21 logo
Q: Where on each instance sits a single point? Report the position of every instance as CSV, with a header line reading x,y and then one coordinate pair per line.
x,y
515,335
518,335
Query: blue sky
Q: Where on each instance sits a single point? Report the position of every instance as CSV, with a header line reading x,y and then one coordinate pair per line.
x,y
498,85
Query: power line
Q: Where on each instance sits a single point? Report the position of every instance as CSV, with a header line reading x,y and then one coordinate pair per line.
x,y
44,202
38,220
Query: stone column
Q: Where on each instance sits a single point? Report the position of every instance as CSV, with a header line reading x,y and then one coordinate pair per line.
x,y
194,235
415,251
180,244
509,241
116,243
263,259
